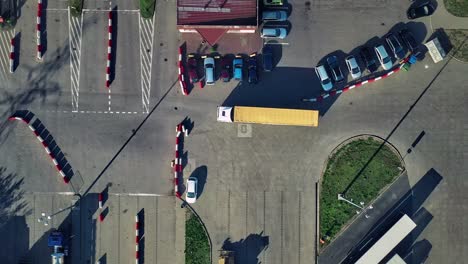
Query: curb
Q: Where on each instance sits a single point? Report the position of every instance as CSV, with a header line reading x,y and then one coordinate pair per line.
x,y
177,162
48,142
347,88
39,30
182,82
335,149
109,50
12,55
137,239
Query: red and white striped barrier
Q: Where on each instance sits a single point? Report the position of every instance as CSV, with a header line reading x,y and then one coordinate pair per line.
x,y
137,240
39,30
177,162
12,55
109,50
321,97
182,82
100,195
47,141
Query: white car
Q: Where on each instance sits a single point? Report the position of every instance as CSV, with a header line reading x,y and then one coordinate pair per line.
x,y
277,32
191,193
383,57
353,67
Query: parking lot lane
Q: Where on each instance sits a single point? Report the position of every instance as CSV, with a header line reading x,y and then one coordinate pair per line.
x,y
149,234
307,227
291,225
39,249
256,219
274,227
93,92
238,217
126,86
127,212
165,244
109,231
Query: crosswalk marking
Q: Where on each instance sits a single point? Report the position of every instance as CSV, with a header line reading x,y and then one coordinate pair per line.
x,y
75,33
146,58
5,44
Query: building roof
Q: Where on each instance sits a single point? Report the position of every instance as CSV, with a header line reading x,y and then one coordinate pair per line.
x,y
217,12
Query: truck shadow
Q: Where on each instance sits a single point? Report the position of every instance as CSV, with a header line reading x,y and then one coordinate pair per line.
x,y
284,87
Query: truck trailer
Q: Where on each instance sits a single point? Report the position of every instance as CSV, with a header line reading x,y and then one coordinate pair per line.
x,y
268,116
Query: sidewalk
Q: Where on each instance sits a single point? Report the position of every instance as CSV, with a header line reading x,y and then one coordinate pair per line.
x,y
443,19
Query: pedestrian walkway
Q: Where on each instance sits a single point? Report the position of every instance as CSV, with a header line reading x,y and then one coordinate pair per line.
x,y
5,44
75,32
146,57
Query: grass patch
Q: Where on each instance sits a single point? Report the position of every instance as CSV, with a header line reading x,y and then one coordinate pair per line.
x,y
76,6
342,168
197,247
147,8
459,40
457,7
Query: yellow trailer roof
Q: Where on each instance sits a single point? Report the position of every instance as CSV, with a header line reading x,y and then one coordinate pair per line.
x,y
276,116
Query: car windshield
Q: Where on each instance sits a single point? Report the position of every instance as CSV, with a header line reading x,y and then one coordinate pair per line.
x,y
355,70
386,60
209,65
191,195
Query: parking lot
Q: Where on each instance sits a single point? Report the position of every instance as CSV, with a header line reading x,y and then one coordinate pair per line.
x,y
258,196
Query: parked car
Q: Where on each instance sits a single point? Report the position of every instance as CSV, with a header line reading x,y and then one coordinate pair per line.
x,y
369,60
337,74
209,65
237,67
383,57
192,63
274,32
252,69
192,186
267,58
395,46
322,74
274,15
273,2
353,67
225,69
420,10
409,40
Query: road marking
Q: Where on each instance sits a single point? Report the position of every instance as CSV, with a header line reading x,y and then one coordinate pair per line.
x,y
96,112
118,10
146,58
109,92
75,26
5,44
56,9
277,43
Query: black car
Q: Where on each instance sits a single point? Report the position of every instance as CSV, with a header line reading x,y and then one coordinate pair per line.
x,y
335,69
267,58
395,45
368,59
420,10
252,69
409,40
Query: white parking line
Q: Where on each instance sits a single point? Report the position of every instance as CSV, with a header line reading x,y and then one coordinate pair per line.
x,y
146,58
118,10
75,26
96,112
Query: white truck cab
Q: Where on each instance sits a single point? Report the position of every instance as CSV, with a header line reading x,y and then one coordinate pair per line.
x,y
225,114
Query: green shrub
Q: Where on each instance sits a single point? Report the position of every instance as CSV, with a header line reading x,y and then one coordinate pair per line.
x,y
344,166
76,6
147,8
197,247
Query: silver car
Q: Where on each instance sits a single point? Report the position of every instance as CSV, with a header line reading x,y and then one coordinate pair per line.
x,y
274,15
209,65
322,74
277,32
353,67
383,57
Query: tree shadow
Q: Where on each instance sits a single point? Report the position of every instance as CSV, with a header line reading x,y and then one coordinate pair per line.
x,y
39,85
247,250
